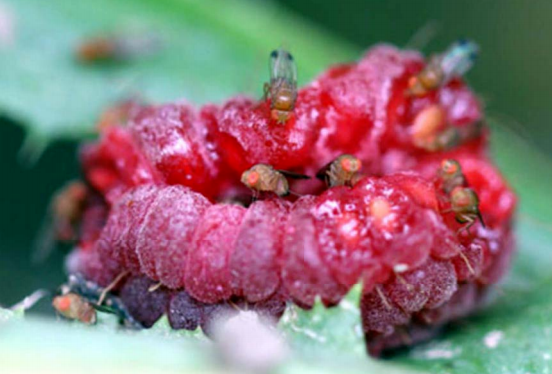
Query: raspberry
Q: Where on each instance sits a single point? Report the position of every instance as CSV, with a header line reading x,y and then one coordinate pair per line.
x,y
115,164
383,309
304,273
409,291
356,100
342,234
184,312
254,261
144,305
469,263
497,200
119,236
459,305
461,105
166,233
93,221
428,322
87,261
164,184
442,280
379,313
445,242
419,189
503,250
248,135
172,139
208,274
399,231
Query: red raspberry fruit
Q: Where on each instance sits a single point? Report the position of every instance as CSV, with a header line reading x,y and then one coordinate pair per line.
x,y
115,164
165,177
245,132
144,305
166,234
173,139
208,273
304,273
254,263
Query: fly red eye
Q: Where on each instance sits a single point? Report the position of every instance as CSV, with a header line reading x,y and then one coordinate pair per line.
x,y
449,166
62,303
412,81
253,178
346,164
350,164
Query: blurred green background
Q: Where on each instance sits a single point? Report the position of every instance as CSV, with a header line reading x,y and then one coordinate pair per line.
x,y
511,76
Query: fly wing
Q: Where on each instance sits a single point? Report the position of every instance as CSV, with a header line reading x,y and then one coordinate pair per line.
x,y
322,174
282,67
459,58
292,175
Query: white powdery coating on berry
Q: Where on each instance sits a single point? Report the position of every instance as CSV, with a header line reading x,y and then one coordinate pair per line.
x,y
304,273
254,261
172,138
160,132
410,291
380,314
166,233
137,205
118,238
442,279
208,270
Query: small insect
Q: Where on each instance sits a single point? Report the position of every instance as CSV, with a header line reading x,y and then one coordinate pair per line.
x,y
282,89
455,61
116,48
426,127
81,299
343,171
75,307
264,178
62,220
67,208
465,205
431,132
451,175
117,114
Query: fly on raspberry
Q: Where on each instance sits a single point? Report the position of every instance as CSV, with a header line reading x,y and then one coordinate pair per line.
x,y
264,178
343,171
282,89
455,61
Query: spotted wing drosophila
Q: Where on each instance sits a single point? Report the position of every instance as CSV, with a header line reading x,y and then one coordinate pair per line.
x,y
61,224
264,178
465,205
75,307
464,202
343,171
454,62
81,299
116,48
282,89
451,175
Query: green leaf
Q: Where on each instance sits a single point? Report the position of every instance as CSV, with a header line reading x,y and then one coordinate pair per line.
x,y
209,51
212,50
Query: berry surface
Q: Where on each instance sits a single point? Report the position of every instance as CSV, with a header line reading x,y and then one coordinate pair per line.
x,y
170,210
